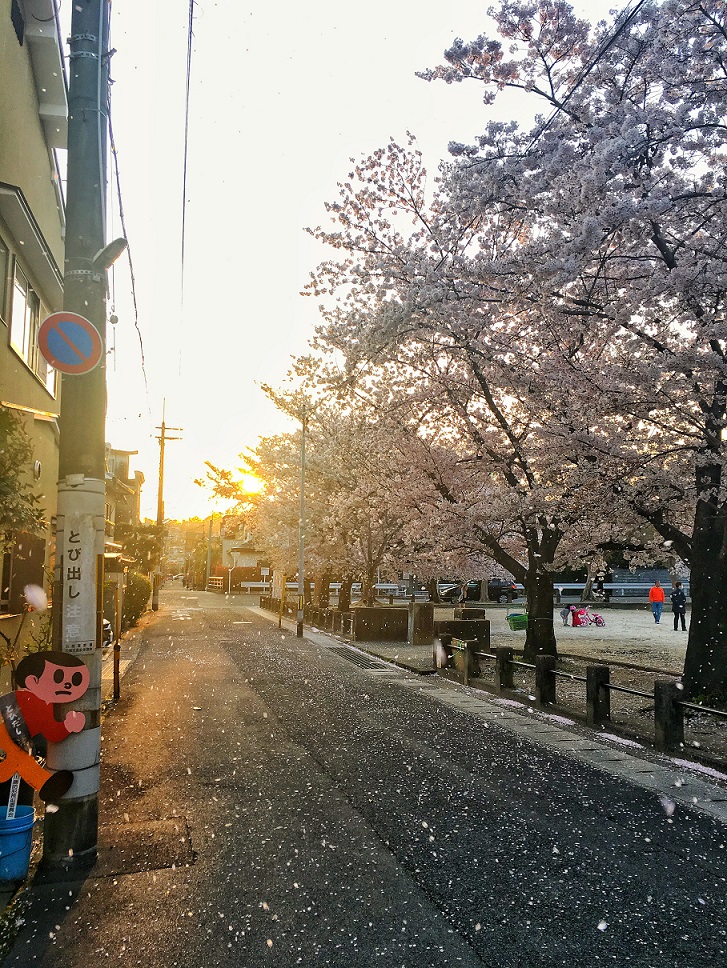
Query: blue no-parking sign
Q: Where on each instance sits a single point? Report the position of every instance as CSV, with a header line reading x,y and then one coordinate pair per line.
x,y
70,343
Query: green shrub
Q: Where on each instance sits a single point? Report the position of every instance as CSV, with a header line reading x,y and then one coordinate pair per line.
x,y
136,598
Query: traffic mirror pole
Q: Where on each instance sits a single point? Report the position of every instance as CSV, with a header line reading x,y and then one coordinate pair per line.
x,y
70,840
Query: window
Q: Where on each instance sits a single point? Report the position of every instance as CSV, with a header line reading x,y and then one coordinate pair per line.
x,y
4,270
25,318
22,564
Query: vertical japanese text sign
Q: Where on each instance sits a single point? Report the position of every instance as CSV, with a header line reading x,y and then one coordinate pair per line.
x,y
79,568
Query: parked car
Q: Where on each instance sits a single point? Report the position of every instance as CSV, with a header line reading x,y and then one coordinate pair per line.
x,y
498,590
107,635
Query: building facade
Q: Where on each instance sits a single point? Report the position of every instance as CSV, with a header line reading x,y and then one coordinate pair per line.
x,y
33,134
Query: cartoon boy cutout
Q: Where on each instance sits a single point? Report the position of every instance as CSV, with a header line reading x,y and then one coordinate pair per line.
x,y
44,680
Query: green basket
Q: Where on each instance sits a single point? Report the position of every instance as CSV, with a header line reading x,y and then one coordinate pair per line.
x,y
518,621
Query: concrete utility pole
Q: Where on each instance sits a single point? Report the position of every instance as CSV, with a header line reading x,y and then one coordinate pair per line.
x,y
71,833
163,438
209,553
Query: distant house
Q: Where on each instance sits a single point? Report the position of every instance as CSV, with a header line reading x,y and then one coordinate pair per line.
x,y
240,558
123,499
33,133
123,490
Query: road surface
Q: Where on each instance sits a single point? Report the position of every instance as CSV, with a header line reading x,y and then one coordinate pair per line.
x,y
266,801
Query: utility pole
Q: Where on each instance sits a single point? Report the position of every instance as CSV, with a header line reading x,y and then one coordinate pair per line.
x,y
70,840
163,438
209,553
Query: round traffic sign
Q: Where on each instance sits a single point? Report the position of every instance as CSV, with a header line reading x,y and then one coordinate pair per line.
x,y
70,343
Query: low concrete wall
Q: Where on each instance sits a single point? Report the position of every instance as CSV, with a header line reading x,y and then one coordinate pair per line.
x,y
387,624
469,612
421,624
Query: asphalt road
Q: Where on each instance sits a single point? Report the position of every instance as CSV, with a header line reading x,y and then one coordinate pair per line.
x,y
267,802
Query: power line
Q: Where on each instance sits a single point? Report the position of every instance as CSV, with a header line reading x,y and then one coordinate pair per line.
x,y
122,218
190,35
620,24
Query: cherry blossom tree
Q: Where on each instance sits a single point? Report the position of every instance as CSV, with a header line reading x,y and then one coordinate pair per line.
x,y
352,524
570,280
481,479
622,189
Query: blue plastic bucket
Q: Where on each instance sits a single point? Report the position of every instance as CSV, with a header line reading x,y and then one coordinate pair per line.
x,y
16,839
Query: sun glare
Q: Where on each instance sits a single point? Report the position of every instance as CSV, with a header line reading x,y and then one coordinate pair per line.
x,y
251,484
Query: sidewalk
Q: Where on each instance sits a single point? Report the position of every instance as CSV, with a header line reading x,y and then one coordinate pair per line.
x,y
632,715
688,782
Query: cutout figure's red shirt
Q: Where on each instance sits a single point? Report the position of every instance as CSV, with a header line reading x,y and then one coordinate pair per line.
x,y
39,717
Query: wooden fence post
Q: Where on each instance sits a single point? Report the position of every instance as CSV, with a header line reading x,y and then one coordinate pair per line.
x,y
545,679
668,716
465,661
503,669
598,695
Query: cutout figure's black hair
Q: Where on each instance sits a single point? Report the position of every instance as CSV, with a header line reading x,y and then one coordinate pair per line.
x,y
34,664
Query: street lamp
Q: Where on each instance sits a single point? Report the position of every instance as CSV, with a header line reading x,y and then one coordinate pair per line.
x,y
301,407
303,416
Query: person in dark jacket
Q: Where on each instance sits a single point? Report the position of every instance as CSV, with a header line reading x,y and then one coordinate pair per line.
x,y
679,606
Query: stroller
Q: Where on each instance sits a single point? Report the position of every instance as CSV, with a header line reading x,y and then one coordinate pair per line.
x,y
581,617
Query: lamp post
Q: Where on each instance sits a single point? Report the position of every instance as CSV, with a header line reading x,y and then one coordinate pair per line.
x,y
301,528
300,407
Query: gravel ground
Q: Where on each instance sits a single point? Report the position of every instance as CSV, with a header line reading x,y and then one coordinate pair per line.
x,y
629,635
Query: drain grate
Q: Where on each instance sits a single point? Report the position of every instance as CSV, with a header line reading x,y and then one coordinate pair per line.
x,y
359,660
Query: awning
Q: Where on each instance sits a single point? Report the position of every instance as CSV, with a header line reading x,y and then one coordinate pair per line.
x,y
37,255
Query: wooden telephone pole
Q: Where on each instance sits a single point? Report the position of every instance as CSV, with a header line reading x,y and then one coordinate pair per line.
x,y
162,438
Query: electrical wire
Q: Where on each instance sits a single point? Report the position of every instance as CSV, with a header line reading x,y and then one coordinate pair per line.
x,y
122,218
622,21
190,35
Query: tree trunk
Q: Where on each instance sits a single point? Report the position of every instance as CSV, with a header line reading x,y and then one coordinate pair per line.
x,y
433,589
344,595
540,638
705,664
323,590
368,589
587,593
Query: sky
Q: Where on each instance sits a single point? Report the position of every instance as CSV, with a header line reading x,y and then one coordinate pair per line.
x,y
282,96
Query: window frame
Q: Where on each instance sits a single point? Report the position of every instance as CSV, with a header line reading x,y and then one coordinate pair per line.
x,y
23,321
6,261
